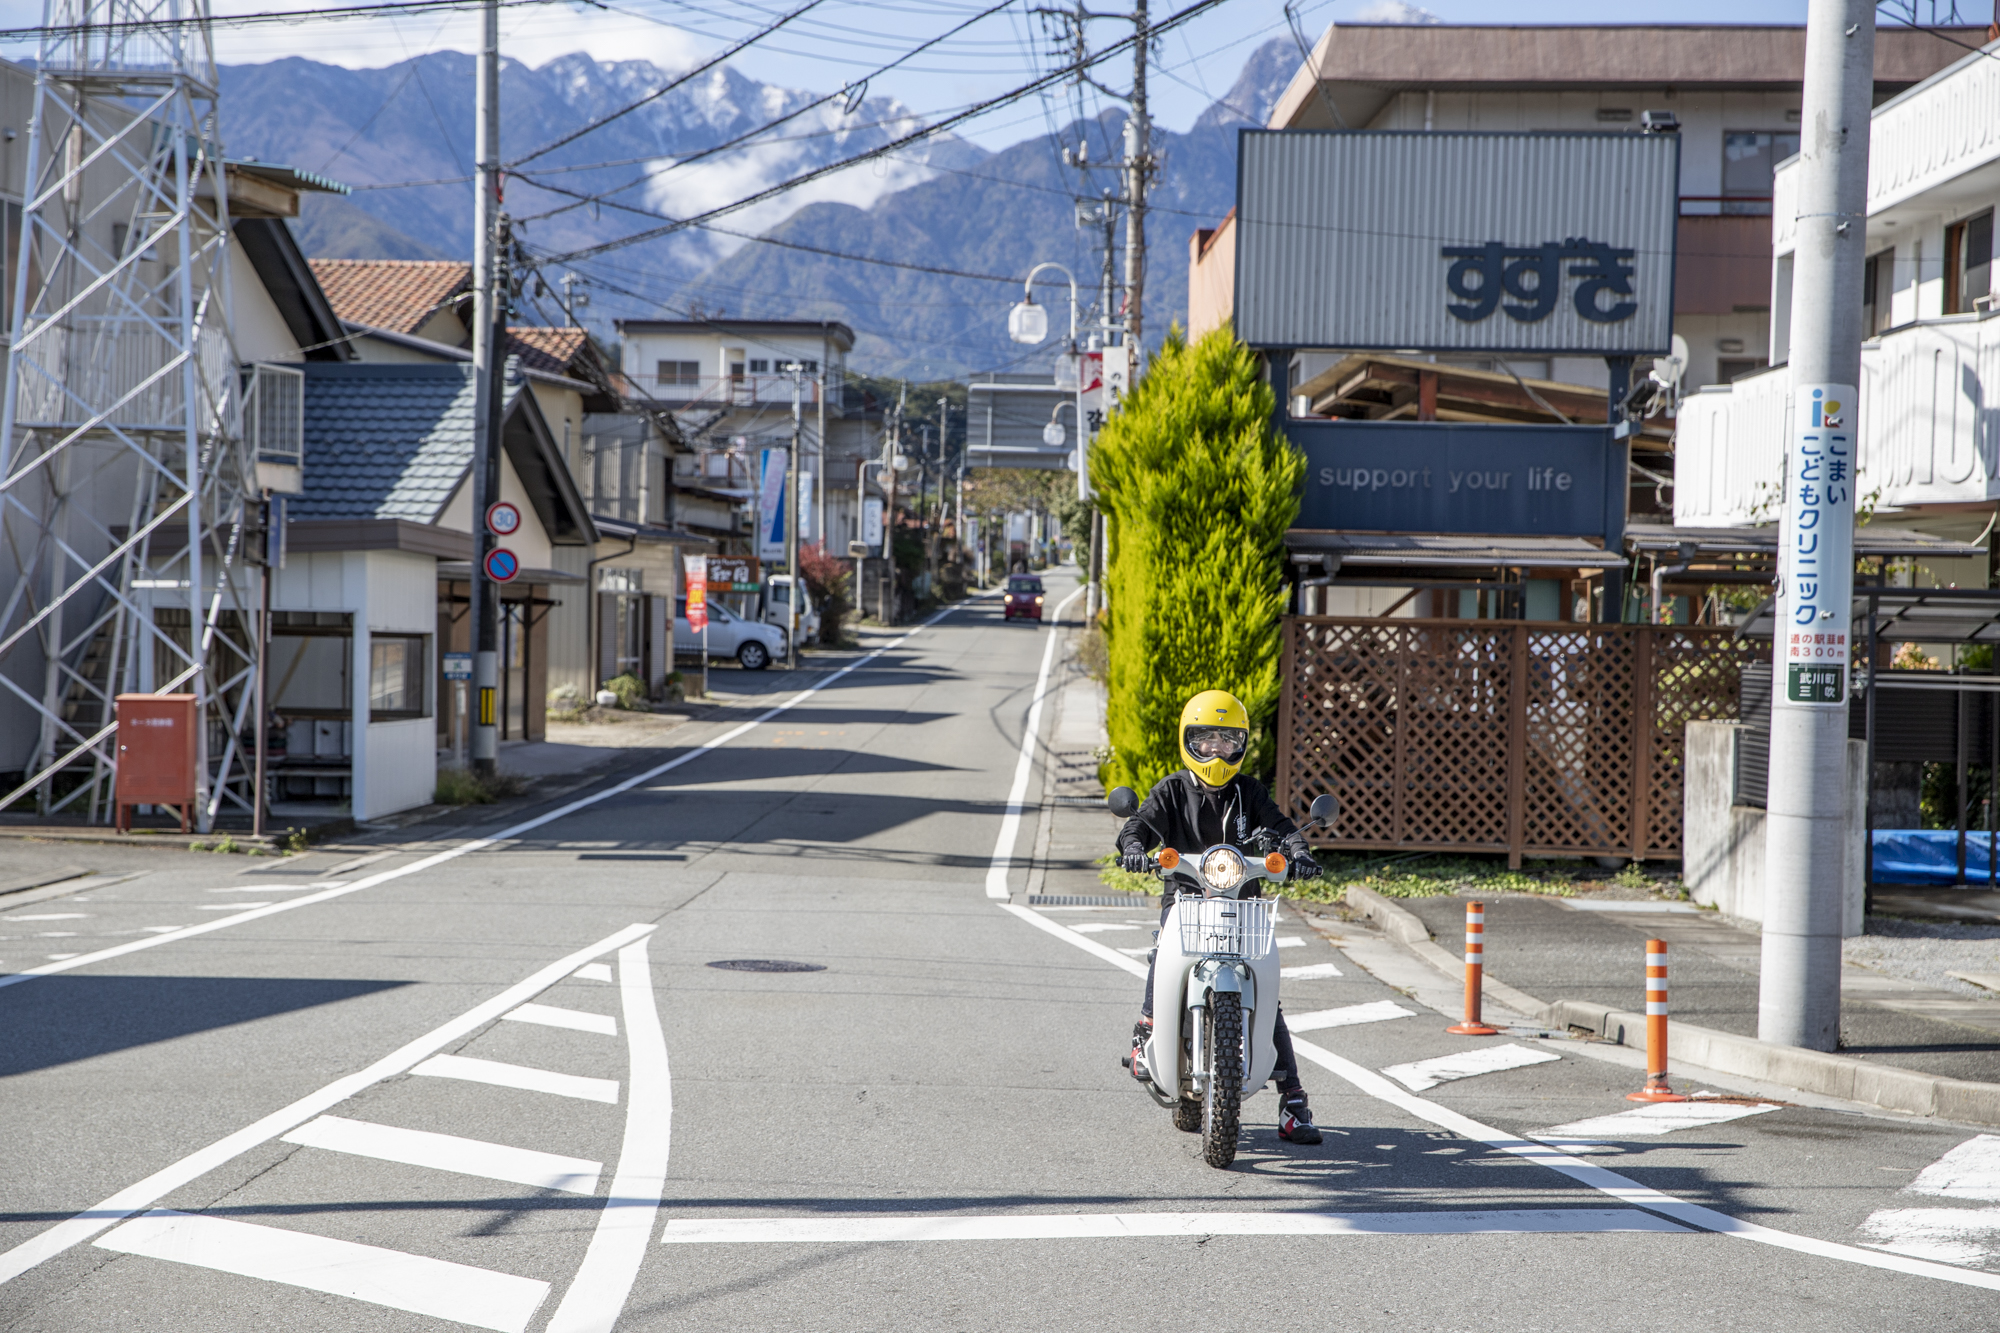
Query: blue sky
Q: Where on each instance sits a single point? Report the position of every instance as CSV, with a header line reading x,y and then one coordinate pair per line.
x,y
842,40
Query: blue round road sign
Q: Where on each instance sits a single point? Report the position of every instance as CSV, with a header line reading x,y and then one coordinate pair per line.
x,y
502,564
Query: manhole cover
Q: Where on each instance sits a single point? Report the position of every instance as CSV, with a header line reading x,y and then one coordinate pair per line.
x,y
765,965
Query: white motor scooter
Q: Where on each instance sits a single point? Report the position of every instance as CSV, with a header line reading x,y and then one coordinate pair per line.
x,y
1213,1047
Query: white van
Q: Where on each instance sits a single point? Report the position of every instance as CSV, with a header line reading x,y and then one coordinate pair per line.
x,y
777,599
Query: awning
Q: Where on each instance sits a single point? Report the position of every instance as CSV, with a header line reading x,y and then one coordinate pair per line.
x,y
1870,540
1920,615
1376,549
460,571
623,529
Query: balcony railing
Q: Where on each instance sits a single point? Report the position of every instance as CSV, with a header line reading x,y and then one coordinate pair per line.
x,y
1725,205
727,390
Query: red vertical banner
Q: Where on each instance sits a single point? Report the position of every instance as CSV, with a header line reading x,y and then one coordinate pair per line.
x,y
697,591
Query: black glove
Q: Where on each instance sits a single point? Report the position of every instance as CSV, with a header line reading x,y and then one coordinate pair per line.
x,y
1136,861
1304,867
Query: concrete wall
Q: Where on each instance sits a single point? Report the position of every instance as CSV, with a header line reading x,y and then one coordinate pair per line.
x,y
1722,843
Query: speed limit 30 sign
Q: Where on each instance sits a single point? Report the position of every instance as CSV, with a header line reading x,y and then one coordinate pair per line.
x,y
502,519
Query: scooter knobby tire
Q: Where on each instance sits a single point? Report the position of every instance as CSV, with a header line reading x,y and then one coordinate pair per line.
x,y
1223,1101
1187,1115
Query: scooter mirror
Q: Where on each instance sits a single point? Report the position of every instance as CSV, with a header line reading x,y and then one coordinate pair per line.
x,y
1325,809
1124,802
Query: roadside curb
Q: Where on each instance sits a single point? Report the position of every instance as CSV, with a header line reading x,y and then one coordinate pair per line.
x,y
1832,1075
1404,927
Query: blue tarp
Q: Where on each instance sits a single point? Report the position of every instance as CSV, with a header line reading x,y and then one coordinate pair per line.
x,y
1929,856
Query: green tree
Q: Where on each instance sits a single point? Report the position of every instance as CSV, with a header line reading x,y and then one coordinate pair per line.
x,y
1199,490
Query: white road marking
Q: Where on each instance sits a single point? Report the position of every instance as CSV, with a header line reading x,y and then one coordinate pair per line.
x,y
281,888
1968,1236
56,934
1309,972
597,1296
594,972
1092,1226
1585,905
1136,953
549,1015
400,1281
337,888
1969,1171
1622,1188
160,930
1291,942
1098,927
1380,1011
45,916
229,907
153,1188
59,957
501,1075
449,1152
1010,823
1598,1133
1421,1074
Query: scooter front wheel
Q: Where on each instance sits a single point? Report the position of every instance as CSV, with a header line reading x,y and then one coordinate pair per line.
x,y
1222,1102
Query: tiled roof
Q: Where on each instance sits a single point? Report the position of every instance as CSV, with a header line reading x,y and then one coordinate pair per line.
x,y
385,440
400,295
552,351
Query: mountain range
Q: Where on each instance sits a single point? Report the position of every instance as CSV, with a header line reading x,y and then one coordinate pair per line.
x,y
402,137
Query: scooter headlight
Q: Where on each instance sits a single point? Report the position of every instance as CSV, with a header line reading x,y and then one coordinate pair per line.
x,y
1222,869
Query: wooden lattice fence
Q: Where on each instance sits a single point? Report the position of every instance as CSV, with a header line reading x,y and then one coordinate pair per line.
x,y
1489,736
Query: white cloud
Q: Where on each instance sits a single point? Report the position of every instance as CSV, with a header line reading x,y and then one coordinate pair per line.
x,y
1395,11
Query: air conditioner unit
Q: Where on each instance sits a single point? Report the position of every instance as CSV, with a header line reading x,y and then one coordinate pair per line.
x,y
274,425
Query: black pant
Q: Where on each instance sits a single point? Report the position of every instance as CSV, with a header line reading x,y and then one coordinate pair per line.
x,y
1285,1073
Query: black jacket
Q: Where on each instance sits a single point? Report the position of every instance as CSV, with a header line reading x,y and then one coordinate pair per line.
x,y
1188,815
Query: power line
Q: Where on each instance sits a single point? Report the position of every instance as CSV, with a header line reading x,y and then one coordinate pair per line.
x,y
1004,99
254,20
671,84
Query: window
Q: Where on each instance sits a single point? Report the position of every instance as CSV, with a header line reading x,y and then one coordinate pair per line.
x,y
678,372
1878,292
1968,262
760,367
1729,369
395,675
1749,160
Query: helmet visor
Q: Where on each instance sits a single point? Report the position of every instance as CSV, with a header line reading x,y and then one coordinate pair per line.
x,y
1224,743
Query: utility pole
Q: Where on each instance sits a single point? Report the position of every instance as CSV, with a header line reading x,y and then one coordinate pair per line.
x,y
889,512
1798,998
793,510
1138,169
819,475
489,344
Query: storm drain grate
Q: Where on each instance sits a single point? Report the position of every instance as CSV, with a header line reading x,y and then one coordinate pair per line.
x,y
766,965
1068,900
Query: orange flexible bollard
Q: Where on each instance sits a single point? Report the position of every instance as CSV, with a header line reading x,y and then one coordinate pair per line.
x,y
1656,1089
1475,973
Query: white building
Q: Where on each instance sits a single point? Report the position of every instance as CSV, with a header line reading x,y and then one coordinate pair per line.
x,y
1930,369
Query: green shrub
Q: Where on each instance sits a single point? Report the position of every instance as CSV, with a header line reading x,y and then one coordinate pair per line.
x,y
461,786
1198,490
631,692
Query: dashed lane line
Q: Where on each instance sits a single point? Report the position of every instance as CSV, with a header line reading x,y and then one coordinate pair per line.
x,y
1109,1226
148,1192
1419,1075
1621,1188
71,961
1602,1133
1348,1015
465,1295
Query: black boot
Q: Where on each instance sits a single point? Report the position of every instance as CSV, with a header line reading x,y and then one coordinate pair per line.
x,y
1135,1059
1295,1118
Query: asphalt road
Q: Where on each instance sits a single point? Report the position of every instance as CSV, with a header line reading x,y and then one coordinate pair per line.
x,y
494,1080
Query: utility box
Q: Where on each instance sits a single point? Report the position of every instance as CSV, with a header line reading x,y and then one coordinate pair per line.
x,y
156,753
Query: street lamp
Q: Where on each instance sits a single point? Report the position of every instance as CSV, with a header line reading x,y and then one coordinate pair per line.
x,y
1053,434
1028,322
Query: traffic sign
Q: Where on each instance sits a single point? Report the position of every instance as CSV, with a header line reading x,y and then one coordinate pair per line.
x,y
502,519
502,564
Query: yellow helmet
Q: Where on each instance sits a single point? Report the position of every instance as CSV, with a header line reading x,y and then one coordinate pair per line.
x,y
1215,733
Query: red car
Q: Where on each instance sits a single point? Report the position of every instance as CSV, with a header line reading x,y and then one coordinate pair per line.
x,y
1023,598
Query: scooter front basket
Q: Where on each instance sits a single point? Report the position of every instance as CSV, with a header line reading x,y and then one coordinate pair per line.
x,y
1236,927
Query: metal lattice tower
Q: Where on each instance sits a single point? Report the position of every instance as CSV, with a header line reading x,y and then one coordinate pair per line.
x,y
126,494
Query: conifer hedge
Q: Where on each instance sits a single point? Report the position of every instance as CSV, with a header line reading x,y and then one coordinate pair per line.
x,y
1199,490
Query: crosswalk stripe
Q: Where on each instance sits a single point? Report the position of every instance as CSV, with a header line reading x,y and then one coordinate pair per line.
x,y
1420,1074
448,1152
1379,1011
1309,972
548,1015
1091,1226
458,1292
1584,1136
502,1075
1960,1235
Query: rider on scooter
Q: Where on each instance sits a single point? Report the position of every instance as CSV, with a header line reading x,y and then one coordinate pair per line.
x,y
1191,811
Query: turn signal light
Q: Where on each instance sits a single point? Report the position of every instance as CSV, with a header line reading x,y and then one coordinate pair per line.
x,y
1169,858
1275,863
